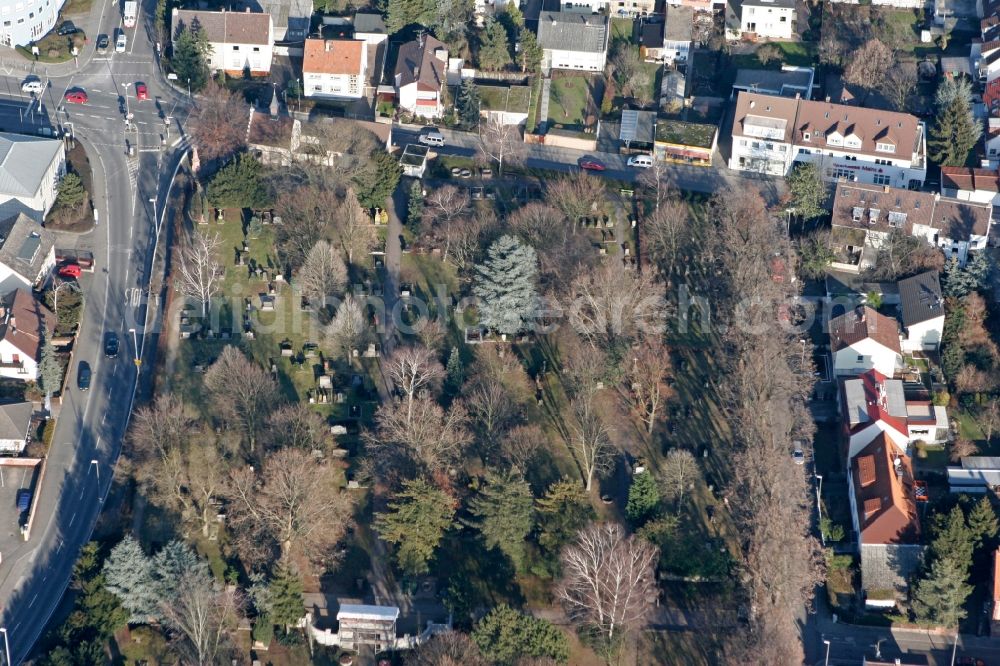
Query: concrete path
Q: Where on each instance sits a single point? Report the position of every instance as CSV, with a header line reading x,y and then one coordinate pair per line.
x,y
543,108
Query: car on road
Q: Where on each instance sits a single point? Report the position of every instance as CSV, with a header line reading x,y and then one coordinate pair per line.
x,y
83,376
76,97
32,85
433,138
141,92
71,271
640,161
23,499
120,43
67,28
590,164
111,344
798,455
103,43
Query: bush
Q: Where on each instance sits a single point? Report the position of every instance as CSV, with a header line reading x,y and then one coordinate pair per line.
x,y
263,630
921,448
941,399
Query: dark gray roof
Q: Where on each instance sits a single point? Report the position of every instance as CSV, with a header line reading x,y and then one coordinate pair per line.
x,y
15,419
24,245
920,298
424,61
956,65
369,23
777,82
637,126
573,31
785,4
651,35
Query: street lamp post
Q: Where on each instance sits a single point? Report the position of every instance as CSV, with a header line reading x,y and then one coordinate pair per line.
x,y
189,89
135,346
819,507
826,660
6,644
128,115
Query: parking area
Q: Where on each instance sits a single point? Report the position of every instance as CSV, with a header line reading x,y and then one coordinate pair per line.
x,y
18,476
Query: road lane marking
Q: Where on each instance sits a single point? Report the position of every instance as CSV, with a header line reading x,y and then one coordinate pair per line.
x,y
72,520
32,602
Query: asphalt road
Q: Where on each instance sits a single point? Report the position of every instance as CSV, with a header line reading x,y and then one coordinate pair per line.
x,y
91,424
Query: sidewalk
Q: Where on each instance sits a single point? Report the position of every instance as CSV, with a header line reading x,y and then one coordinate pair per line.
x,y
90,23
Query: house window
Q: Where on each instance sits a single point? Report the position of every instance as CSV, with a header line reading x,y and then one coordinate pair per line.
x,y
861,359
847,174
885,147
783,19
805,151
743,142
881,179
236,48
805,136
256,49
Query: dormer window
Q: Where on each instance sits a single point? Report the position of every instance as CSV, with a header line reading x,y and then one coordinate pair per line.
x,y
873,214
805,136
857,213
885,147
897,219
834,139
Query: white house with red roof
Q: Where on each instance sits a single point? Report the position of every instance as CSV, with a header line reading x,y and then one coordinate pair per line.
x,y
863,339
421,74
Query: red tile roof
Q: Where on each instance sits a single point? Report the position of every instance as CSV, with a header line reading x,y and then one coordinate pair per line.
x,y
333,56
22,321
883,491
863,323
970,179
876,405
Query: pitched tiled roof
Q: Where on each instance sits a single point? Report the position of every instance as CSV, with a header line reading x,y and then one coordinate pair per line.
x,y
15,419
883,490
424,61
573,31
333,56
871,126
765,116
872,398
24,318
920,298
863,323
227,27
970,179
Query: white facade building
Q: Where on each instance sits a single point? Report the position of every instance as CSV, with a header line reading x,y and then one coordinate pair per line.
x,y
849,143
864,339
22,318
572,41
30,171
238,41
769,19
921,306
15,424
27,254
24,22
421,74
335,69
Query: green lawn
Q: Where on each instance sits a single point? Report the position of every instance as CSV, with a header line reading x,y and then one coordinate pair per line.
x,y
570,101
515,99
622,28
53,48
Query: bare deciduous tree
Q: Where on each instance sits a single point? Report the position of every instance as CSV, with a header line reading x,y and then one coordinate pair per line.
x,y
644,380
446,203
322,275
298,426
869,65
245,391
590,441
307,214
431,436
218,124
962,447
293,503
491,409
668,230
500,143
202,617
576,196
612,305
347,330
412,370
520,446
989,418
199,275
899,84
354,228
608,583
451,648
679,473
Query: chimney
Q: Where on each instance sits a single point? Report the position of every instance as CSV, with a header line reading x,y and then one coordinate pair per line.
x,y
827,99
327,45
886,189
247,10
798,95
937,196
552,18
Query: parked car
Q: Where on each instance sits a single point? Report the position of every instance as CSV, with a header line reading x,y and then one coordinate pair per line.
x,y
32,85
23,499
798,455
141,92
640,161
67,28
590,164
103,43
71,271
83,376
120,43
111,344
76,97
431,139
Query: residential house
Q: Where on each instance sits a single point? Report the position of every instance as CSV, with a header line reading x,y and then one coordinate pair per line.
x,y
789,81
30,171
335,69
15,427
27,254
884,514
864,217
863,339
771,134
760,19
985,58
685,142
971,184
421,74
238,41
922,310
874,405
678,35
290,18
975,474
370,28
573,41
23,319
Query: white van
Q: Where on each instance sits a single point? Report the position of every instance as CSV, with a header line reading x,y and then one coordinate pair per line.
x,y
641,161
120,43
431,139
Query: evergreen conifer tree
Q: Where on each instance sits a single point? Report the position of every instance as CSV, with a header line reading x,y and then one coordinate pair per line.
x,y
954,134
940,598
503,512
128,574
494,50
505,286
468,104
643,498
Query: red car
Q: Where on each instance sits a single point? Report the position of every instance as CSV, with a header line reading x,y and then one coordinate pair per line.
x,y
69,271
140,92
77,97
592,165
